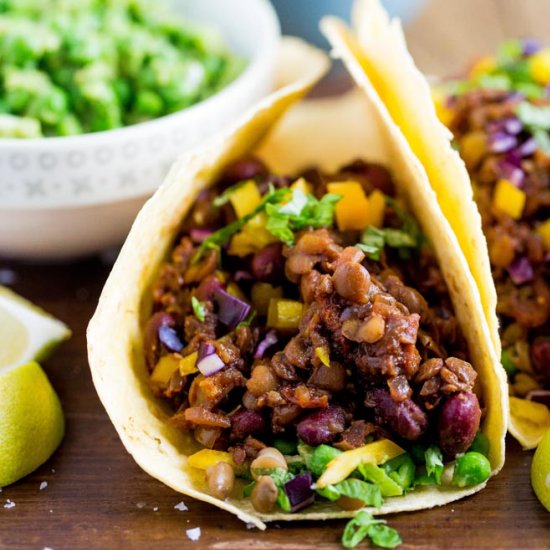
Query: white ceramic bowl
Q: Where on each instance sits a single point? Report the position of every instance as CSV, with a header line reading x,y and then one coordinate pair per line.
x,y
63,197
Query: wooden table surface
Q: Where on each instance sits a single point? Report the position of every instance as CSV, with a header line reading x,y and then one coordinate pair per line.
x,y
97,497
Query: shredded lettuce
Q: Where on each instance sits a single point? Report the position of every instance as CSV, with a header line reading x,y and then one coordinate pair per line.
x,y
198,309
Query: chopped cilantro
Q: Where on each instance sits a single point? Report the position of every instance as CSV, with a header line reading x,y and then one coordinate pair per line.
x,y
434,463
301,212
222,236
225,196
198,309
536,120
364,525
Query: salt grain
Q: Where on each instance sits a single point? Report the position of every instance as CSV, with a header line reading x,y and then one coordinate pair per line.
x,y
43,485
250,526
9,504
7,277
194,534
47,548
181,506
156,509
141,505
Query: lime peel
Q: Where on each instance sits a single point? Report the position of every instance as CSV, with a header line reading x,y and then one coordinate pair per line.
x,y
540,471
31,423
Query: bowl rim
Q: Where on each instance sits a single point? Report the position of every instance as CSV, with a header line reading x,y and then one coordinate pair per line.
x,y
266,48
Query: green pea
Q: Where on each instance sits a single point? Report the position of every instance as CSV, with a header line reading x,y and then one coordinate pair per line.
x,y
470,469
321,456
286,446
480,444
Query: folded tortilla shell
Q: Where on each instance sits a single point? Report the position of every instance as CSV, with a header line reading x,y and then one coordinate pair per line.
x,y
376,55
327,132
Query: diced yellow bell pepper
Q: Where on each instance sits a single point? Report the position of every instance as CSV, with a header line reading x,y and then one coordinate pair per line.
x,y
483,66
284,314
523,384
375,212
234,290
530,419
262,294
340,467
245,198
509,199
205,458
351,210
544,231
252,237
473,146
439,98
165,368
323,354
301,184
188,364
539,66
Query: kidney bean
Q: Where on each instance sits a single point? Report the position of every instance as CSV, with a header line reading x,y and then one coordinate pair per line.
x,y
151,339
540,357
459,419
244,169
268,264
321,426
245,422
207,288
405,418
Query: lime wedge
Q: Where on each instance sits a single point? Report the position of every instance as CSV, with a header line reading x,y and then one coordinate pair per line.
x,y
31,421
540,471
28,332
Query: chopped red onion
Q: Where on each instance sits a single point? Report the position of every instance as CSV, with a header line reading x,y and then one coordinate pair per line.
x,y
269,340
520,271
299,491
169,337
232,310
527,148
530,46
511,172
198,234
513,158
508,125
547,258
499,142
241,275
208,361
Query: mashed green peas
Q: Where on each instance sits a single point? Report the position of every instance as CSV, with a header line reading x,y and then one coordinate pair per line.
x,y
75,66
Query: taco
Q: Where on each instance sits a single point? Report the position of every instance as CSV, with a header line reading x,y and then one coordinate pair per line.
x,y
497,118
291,330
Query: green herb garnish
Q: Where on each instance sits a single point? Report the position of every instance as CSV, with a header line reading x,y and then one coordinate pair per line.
x,y
364,525
199,309
537,121
301,212
508,363
222,199
434,463
222,236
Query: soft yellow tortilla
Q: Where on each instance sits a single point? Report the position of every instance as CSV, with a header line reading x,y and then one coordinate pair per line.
x,y
377,56
326,132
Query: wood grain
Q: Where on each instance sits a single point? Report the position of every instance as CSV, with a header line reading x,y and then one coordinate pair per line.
x,y
97,497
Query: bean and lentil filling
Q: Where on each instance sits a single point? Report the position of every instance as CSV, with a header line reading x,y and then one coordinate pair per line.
x,y
301,319
500,118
